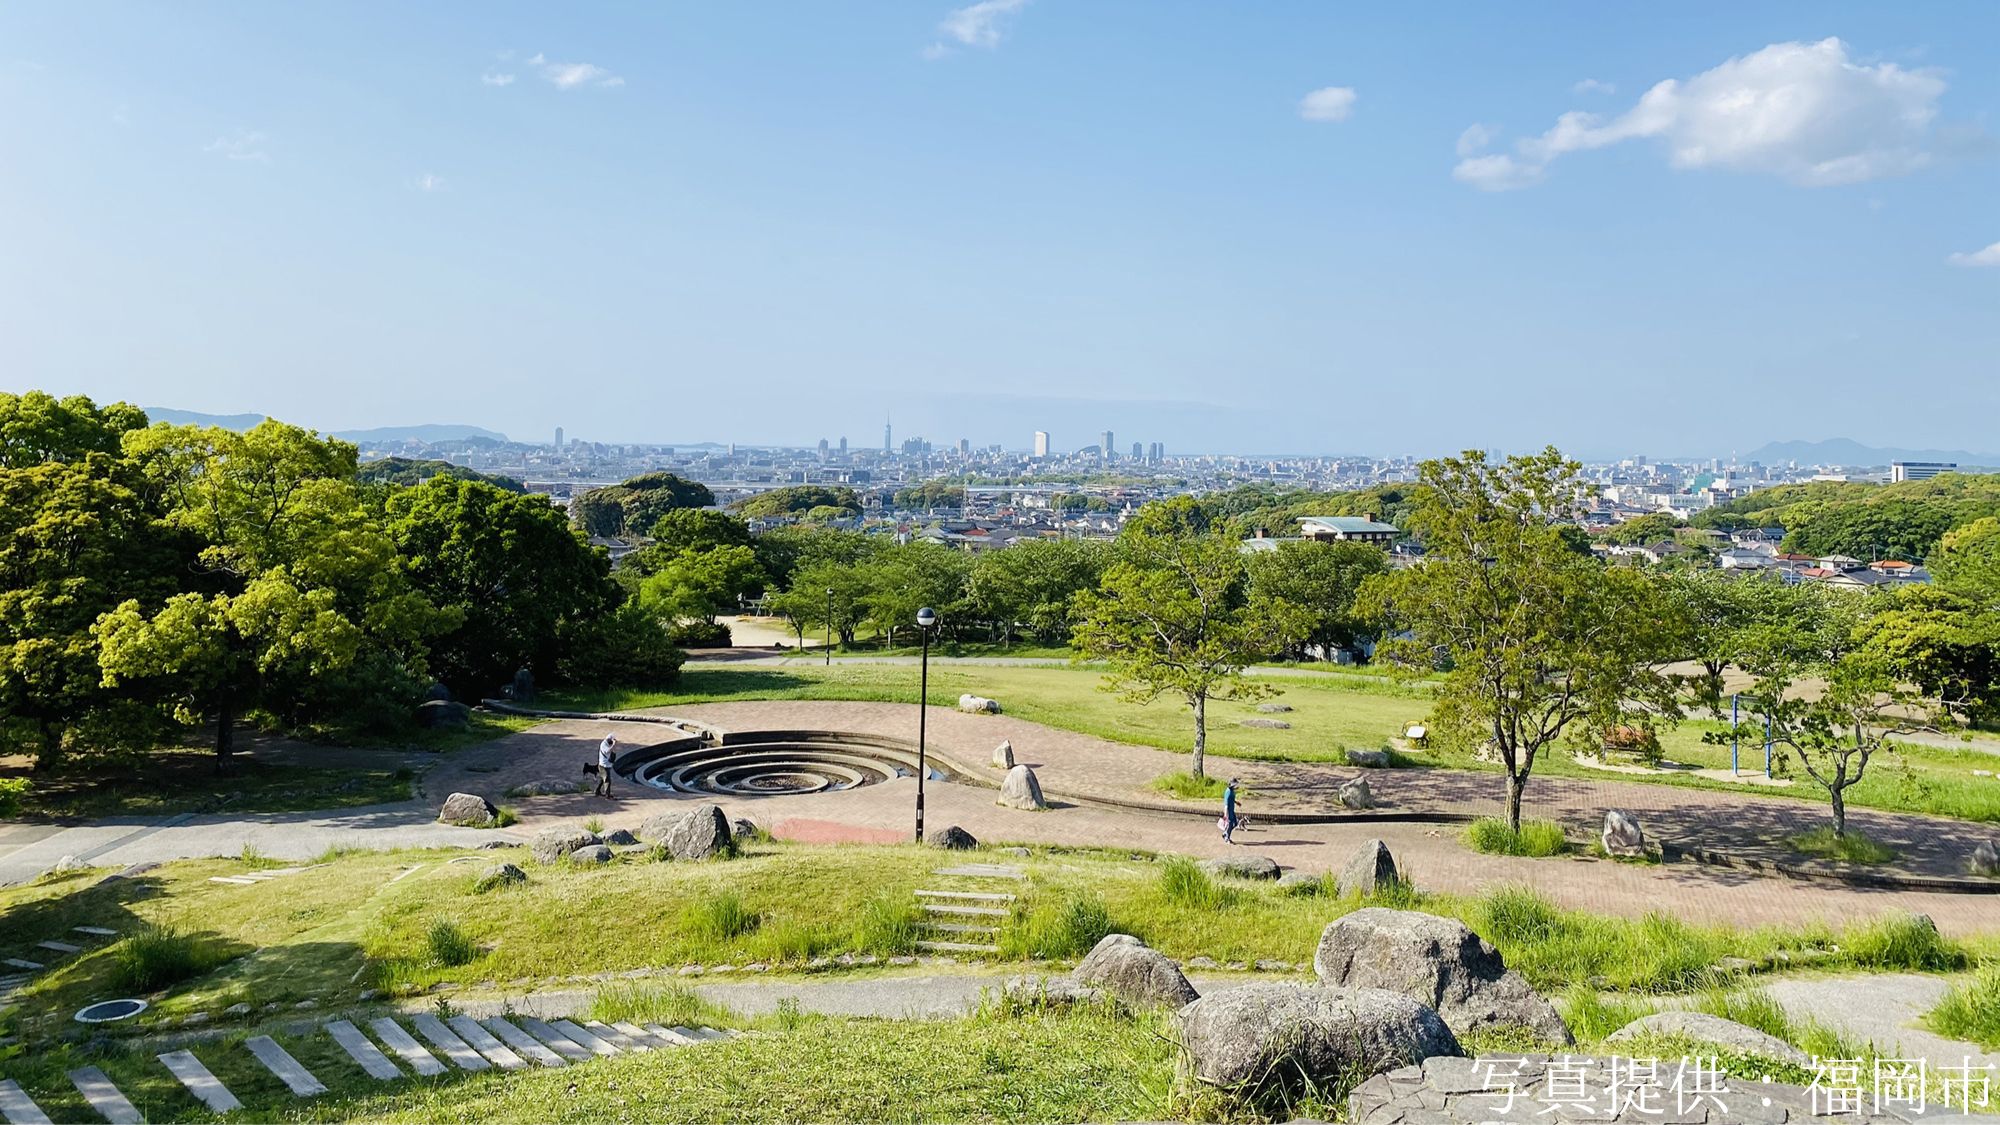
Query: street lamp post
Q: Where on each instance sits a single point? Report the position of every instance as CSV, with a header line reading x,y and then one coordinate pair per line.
x,y
926,617
829,626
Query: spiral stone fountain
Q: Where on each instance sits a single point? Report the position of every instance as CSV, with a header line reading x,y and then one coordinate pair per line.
x,y
774,763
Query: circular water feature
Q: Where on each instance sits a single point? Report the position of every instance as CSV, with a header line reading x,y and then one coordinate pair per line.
x,y
110,1011
776,764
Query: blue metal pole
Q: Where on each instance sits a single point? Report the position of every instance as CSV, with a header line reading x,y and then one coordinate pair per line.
x,y
1733,740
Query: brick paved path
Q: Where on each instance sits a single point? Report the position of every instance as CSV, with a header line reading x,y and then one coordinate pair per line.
x,y
1068,762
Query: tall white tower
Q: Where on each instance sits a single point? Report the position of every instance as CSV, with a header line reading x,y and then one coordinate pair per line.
x,y
1041,443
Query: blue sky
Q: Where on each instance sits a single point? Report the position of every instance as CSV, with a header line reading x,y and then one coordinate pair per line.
x,y
1275,227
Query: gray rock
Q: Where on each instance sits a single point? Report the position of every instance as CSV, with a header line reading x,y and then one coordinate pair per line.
x,y
1003,756
1355,794
1020,790
443,714
1019,851
547,787
1439,962
467,809
702,833
619,837
1368,759
952,838
1622,835
502,874
1713,1029
1122,965
1266,724
1200,962
522,690
67,864
1292,880
978,704
1368,870
1053,992
743,828
1256,1033
595,853
1274,708
237,1010
1985,859
1243,866
437,693
551,844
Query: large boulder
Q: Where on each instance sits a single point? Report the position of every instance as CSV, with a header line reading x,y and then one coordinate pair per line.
x,y
1020,790
1243,866
1323,1037
522,690
620,838
978,704
551,844
499,875
1704,1028
1368,870
443,714
702,833
1003,756
1122,965
952,838
1355,794
1368,759
1439,962
437,692
1622,835
1985,859
595,853
468,809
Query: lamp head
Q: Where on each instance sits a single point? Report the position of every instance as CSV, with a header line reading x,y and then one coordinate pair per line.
x,y
926,617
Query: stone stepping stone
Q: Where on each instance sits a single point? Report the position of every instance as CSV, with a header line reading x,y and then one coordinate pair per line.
x,y
956,947
363,1050
584,1038
969,896
709,1033
454,1048
528,1047
673,1036
615,1037
555,1040
206,1087
983,871
59,946
965,911
232,880
279,1062
482,1041
17,963
411,1051
105,1098
94,931
639,1035
18,1108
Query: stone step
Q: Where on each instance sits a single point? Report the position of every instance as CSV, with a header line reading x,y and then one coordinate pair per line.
x,y
669,1036
971,896
232,880
523,1043
279,1062
956,947
206,1087
18,1108
954,928
637,1034
108,1100
406,1047
454,1048
17,963
94,931
982,871
482,1041
615,1037
965,911
363,1050
705,1033
555,1040
59,947
584,1039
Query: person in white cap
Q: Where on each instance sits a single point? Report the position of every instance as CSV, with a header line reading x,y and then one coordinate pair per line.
x,y
607,753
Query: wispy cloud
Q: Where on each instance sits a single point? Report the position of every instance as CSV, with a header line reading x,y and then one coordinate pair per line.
x,y
497,78
1987,257
1328,103
1804,112
430,181
572,76
975,25
1475,138
1593,86
243,144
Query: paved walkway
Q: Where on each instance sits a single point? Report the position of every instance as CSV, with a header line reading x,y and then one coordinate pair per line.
x,y
1882,1010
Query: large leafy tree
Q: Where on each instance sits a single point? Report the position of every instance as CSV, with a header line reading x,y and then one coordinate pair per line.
x,y
696,529
1537,641
36,427
509,566
1175,615
1945,636
633,507
1722,611
297,592
1323,579
699,584
825,595
910,576
1035,585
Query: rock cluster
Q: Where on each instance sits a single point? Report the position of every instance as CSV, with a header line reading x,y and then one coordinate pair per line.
x,y
1439,962
1020,790
443,714
978,704
554,843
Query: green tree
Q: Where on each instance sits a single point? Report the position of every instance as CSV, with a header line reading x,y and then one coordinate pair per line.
x,y
510,567
37,427
1537,641
783,550
910,576
1323,579
405,471
697,529
1649,528
600,512
824,594
1723,610
799,499
1175,615
700,584
1035,584
636,505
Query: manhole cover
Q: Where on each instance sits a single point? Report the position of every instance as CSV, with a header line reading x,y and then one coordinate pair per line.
x,y
105,1011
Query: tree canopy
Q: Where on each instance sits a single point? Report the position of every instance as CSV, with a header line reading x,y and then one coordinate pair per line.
x,y
799,499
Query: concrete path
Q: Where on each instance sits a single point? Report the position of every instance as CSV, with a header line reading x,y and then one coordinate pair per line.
x,y
1884,1010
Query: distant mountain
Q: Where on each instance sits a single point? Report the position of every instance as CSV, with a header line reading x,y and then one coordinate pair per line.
x,y
380,434
1847,451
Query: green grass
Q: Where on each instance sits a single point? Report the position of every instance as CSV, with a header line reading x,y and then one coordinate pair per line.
x,y
156,956
667,1004
1852,847
889,926
1064,926
1187,883
1537,838
1188,787
1971,1010
448,946
179,780
719,917
1907,941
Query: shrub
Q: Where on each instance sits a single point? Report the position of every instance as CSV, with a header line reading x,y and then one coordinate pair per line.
x,y
888,926
1852,847
1185,882
1537,838
448,945
509,815
1971,1010
594,825
793,941
13,790
624,648
699,634
1066,927
719,916
1907,941
1188,787
155,957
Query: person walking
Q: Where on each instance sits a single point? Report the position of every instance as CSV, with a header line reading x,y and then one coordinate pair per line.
x,y
607,756
1229,812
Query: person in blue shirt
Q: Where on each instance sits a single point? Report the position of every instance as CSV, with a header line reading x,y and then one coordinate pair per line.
x,y
1229,812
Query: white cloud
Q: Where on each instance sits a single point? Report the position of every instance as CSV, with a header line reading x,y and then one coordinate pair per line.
x,y
1593,86
975,25
1987,257
497,78
1804,112
1328,103
243,144
571,76
430,181
1475,138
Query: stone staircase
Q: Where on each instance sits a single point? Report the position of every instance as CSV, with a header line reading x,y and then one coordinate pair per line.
x,y
963,920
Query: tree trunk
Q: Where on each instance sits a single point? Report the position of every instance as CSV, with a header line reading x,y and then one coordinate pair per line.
x,y
225,728
1515,783
1200,732
51,752
1839,812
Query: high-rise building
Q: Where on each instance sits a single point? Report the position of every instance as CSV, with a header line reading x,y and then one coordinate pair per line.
x,y
559,437
1138,451
1158,453
843,447
1920,470
1041,443
964,447
886,447
1104,447
823,449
